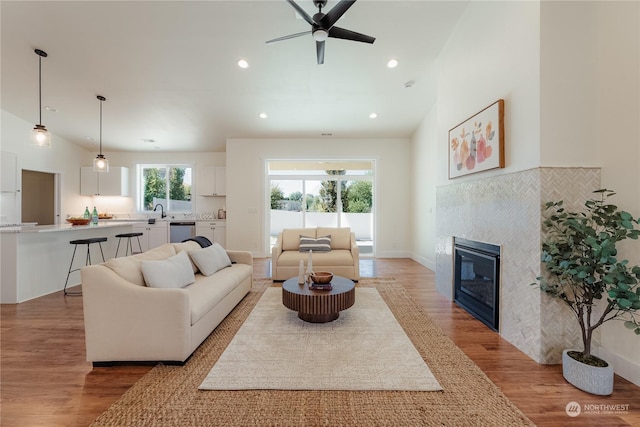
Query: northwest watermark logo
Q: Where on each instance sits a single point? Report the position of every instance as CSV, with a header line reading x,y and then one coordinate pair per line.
x,y
573,409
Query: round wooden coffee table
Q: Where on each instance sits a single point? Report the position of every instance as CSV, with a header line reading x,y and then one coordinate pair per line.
x,y
318,306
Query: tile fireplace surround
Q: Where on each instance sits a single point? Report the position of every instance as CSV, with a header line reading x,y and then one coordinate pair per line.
x,y
506,210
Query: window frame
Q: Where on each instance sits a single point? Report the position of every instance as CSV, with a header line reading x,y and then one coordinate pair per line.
x,y
140,167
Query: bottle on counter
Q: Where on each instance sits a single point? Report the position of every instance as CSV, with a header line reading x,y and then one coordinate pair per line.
x,y
94,216
86,215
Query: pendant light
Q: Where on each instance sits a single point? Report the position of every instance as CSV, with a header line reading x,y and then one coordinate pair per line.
x,y
40,136
100,163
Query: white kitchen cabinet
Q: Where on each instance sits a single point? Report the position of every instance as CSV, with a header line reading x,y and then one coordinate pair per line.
x,y
216,231
112,183
213,181
153,235
9,173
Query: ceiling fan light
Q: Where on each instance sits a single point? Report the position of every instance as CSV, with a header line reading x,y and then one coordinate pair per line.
x,y
320,35
41,137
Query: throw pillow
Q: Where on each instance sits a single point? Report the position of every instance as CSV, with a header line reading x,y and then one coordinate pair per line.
x,y
321,244
210,259
173,272
187,246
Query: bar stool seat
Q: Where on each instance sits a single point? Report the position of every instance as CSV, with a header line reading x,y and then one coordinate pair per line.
x,y
87,242
128,245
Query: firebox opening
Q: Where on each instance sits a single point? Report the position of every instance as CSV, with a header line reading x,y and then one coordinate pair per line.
x,y
477,279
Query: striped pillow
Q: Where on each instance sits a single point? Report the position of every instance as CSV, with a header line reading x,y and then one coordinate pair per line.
x,y
321,244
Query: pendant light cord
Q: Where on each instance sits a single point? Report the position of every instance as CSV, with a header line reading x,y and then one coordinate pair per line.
x,y
40,86
101,127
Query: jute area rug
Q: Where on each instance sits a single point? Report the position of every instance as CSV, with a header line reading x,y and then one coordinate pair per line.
x,y
169,395
364,349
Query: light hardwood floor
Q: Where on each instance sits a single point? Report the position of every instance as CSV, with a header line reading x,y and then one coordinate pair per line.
x,y
45,380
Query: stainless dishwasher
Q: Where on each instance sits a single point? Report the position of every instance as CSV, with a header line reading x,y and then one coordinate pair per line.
x,y
181,230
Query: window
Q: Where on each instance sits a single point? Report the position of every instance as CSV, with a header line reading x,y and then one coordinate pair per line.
x,y
308,193
167,185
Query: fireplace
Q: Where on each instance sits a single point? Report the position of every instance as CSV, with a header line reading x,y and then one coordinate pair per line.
x,y
477,279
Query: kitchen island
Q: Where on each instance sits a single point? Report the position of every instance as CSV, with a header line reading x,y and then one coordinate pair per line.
x,y
35,259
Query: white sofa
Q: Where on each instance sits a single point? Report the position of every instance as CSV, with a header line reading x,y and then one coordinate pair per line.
x,y
342,260
125,320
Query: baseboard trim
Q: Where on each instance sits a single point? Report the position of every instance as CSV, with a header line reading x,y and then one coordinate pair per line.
x,y
627,369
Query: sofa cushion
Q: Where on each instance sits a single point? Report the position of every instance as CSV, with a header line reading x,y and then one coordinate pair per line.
x,y
173,272
129,267
340,237
337,257
321,244
291,237
188,246
208,291
210,259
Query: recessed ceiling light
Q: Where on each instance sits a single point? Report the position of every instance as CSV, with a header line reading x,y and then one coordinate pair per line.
x,y
89,138
373,115
393,63
50,108
243,63
263,115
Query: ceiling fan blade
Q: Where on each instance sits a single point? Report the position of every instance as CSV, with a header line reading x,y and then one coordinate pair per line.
x,y
290,36
320,52
301,12
336,13
341,33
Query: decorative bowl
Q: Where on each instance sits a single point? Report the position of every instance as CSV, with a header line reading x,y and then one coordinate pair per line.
x,y
78,221
321,277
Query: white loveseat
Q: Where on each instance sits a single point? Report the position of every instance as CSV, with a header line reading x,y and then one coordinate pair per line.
x,y
342,260
125,320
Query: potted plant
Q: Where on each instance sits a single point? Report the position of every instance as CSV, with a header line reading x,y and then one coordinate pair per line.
x,y
580,256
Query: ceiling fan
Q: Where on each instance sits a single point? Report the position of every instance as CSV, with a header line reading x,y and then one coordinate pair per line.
x,y
322,26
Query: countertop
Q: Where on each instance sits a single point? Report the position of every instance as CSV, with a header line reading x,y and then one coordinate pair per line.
x,y
68,227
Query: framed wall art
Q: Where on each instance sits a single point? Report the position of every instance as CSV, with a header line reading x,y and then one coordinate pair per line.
x,y
477,144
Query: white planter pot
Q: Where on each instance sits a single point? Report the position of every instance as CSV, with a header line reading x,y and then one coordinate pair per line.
x,y
592,379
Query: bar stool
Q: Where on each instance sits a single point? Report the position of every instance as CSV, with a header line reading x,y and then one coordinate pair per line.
x,y
128,244
87,242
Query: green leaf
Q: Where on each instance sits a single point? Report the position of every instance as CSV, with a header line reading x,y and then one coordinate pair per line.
x,y
624,303
629,324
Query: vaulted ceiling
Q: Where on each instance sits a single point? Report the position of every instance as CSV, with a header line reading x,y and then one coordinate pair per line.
x,y
169,72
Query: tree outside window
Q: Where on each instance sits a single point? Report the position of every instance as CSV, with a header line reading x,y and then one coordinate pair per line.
x,y
167,185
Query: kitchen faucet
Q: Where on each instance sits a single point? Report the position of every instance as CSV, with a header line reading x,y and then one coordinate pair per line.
x,y
162,215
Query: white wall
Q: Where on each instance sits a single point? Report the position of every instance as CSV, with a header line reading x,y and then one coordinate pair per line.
x,y
493,53
590,62
247,203
63,157
424,169
568,72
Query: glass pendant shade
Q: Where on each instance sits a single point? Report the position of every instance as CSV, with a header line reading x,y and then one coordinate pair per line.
x,y
40,136
100,164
